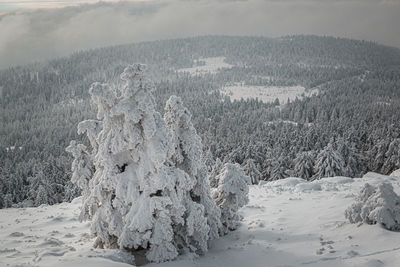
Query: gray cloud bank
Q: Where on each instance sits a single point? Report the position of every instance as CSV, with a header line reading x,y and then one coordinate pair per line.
x,y
47,33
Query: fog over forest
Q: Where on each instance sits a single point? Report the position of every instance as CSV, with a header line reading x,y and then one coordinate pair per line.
x,y
28,34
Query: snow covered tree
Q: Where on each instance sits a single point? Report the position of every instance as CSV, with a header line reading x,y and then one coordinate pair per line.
x,y
92,128
303,165
374,205
278,169
351,157
213,175
7,201
82,172
328,163
377,155
41,190
231,194
208,160
251,170
149,188
392,157
203,221
135,197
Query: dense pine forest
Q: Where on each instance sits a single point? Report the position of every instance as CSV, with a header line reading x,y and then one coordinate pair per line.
x,y
349,127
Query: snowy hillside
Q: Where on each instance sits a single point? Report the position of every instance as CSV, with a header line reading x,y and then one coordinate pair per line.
x,y
289,222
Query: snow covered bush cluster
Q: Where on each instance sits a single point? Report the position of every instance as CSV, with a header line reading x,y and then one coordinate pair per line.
x,y
376,204
144,183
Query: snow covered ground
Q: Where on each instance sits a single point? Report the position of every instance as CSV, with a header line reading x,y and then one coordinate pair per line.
x,y
266,93
289,222
211,65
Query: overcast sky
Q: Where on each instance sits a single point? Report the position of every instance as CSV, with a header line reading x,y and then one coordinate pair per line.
x,y
41,29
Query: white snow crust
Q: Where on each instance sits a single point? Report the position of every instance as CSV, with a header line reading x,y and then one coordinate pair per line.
x,y
290,222
266,94
211,66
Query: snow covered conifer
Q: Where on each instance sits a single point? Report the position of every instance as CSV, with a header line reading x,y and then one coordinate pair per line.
x,y
278,169
213,175
41,189
146,192
303,165
329,163
251,170
204,216
208,160
82,172
231,195
392,157
136,194
378,204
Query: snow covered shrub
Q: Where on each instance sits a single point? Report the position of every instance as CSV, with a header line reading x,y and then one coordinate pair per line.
x,y
231,194
378,204
148,188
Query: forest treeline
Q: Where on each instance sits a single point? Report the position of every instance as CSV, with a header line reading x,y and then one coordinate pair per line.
x,y
349,128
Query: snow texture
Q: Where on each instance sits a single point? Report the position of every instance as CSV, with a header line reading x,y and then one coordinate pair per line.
x,y
282,226
376,205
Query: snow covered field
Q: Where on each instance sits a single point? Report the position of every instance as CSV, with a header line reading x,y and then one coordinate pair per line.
x,y
266,93
211,65
289,222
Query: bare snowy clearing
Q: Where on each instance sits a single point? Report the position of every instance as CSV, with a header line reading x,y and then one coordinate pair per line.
x,y
266,94
287,122
289,222
211,66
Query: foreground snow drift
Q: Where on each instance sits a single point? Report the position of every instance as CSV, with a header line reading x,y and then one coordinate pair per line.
x,y
289,222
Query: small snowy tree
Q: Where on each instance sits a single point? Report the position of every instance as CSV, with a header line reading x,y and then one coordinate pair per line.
x,y
329,163
204,216
250,169
303,165
231,195
82,173
374,205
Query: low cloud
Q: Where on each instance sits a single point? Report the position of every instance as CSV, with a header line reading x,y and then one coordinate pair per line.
x,y
47,33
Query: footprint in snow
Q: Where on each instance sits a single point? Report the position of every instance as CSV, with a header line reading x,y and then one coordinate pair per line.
x,y
16,234
51,242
